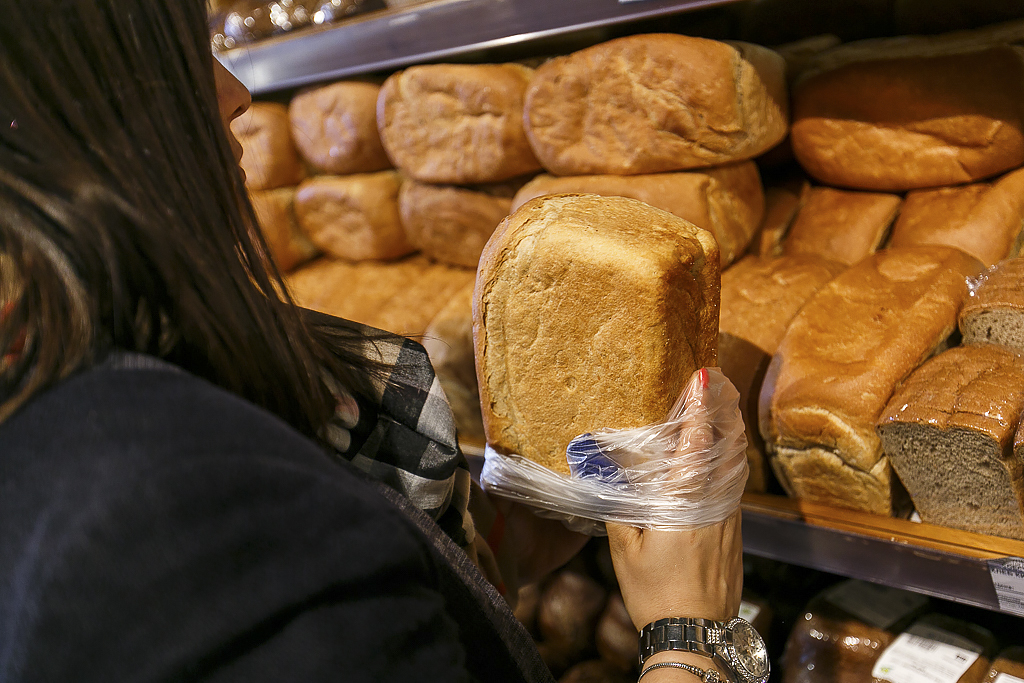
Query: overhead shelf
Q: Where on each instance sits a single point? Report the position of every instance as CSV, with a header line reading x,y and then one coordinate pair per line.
x,y
440,29
944,563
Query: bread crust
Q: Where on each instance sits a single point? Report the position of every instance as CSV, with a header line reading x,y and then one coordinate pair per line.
x,y
994,313
654,103
589,312
911,122
269,157
335,128
728,200
841,226
275,211
983,219
839,362
457,123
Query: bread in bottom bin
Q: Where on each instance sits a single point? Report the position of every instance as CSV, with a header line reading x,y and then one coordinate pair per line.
x,y
1008,666
994,313
948,433
942,647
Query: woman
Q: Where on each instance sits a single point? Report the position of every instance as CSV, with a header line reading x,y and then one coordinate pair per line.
x,y
172,504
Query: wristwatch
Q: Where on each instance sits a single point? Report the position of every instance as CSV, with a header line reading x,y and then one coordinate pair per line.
x,y
736,643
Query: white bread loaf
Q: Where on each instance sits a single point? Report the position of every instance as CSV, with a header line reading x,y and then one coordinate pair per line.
x,y
275,211
840,225
269,158
839,362
589,312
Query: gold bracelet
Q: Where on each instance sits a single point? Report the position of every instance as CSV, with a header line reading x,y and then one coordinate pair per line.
x,y
709,676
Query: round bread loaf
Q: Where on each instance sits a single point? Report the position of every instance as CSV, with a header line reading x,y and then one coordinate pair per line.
x,y
269,158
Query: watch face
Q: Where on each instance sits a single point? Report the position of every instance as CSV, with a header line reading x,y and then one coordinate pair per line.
x,y
747,650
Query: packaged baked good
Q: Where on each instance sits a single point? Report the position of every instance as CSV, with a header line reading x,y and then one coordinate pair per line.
x,y
983,219
589,312
727,200
457,123
948,433
269,158
353,217
994,312
840,225
760,297
1008,666
656,102
941,648
838,364
335,128
275,211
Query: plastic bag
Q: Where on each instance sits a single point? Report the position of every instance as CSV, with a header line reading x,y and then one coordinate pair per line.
x,y
686,472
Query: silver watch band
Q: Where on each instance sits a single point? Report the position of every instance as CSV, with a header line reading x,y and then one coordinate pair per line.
x,y
687,634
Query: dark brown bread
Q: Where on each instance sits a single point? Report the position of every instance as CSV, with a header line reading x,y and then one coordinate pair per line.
x,y
994,313
654,103
948,433
840,225
839,363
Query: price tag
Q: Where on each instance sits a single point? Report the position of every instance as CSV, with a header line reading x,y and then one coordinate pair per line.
x,y
1007,678
748,611
876,605
925,654
1008,580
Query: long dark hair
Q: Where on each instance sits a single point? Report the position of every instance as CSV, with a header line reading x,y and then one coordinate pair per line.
x,y
124,222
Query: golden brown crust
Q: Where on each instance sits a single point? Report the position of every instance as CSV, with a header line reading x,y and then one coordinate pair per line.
x,y
335,128
656,102
353,217
839,362
983,219
1001,287
275,212
781,205
399,296
457,123
841,226
269,158
450,223
912,122
589,312
727,200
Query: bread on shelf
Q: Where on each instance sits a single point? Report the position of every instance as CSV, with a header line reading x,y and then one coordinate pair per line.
x,y
269,158
589,312
782,203
948,433
842,357
994,313
275,211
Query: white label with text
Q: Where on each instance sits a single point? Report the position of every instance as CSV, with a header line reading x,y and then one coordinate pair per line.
x,y
925,654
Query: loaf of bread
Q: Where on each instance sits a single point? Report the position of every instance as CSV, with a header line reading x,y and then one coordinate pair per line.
x,y
269,158
914,651
400,296
839,363
983,219
840,225
589,312
948,433
760,297
354,217
275,211
656,102
457,123
449,343
335,128
727,200
994,312
452,223
1008,667
923,117
781,205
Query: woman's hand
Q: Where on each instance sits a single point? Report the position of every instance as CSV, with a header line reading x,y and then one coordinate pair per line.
x,y
693,573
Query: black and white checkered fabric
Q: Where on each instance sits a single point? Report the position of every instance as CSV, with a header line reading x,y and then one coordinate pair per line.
x,y
406,438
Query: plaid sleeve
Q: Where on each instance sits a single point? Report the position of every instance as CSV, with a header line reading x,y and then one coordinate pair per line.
x,y
404,436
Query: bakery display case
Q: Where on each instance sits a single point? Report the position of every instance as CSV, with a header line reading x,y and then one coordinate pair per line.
x,y
970,568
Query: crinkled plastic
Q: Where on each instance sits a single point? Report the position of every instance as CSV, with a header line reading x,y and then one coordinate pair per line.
x,y
684,473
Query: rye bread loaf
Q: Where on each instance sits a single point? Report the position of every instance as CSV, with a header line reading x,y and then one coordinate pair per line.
x,y
983,219
589,312
839,363
994,313
840,225
728,200
269,158
275,211
452,223
353,217
457,123
948,433
913,120
656,102
335,128
398,296
760,297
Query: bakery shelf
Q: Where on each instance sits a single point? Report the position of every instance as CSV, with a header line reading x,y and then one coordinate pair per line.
x,y
944,563
439,29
